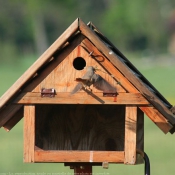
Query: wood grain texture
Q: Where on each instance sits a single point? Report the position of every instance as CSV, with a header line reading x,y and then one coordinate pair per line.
x,y
80,127
35,84
39,62
159,120
79,156
8,112
14,120
81,98
105,63
62,76
130,135
140,136
29,133
132,78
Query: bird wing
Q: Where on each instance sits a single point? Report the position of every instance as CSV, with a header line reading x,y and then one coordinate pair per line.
x,y
85,80
77,88
101,84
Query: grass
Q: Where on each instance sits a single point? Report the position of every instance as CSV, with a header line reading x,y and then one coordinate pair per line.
x,y
159,147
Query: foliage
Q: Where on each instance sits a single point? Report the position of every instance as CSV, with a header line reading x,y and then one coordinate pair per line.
x,y
31,26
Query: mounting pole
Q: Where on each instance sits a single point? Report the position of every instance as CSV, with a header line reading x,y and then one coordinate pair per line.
x,y
82,168
79,170
147,164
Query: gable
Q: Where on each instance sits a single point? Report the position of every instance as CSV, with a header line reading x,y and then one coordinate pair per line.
x,y
55,69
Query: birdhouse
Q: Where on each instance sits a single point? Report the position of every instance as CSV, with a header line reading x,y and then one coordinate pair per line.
x,y
92,124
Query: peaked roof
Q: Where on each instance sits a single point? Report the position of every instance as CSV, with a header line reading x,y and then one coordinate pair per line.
x,y
160,113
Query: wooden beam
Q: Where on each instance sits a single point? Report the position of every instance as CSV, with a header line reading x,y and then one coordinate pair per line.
x,y
157,117
79,156
39,62
29,133
130,134
81,98
14,120
126,72
8,112
140,135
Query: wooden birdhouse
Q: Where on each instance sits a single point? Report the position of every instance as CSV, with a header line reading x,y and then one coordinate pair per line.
x,y
91,125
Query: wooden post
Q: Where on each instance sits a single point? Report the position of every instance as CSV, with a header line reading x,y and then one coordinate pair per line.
x,y
79,170
130,134
29,133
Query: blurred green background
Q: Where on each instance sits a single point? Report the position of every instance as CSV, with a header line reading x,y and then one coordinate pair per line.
x,y
144,31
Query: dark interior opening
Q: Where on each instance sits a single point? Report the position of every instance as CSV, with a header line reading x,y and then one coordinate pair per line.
x,y
79,63
80,127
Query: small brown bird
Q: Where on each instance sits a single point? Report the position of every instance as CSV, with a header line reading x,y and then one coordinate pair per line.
x,y
91,78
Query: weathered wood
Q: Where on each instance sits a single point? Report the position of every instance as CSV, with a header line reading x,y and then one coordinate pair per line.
x,y
15,119
8,112
127,73
107,65
62,76
80,127
29,133
162,123
36,83
130,134
39,62
79,156
140,136
157,118
81,98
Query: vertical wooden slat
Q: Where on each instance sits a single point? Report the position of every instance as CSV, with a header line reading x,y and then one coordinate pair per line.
x,y
130,134
140,136
29,133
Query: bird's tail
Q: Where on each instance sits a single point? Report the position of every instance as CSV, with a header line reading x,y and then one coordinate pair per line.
x,y
77,88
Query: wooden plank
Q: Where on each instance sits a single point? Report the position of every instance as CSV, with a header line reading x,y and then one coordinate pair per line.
x,y
157,118
8,112
126,72
140,135
162,123
81,98
14,120
107,65
55,70
39,62
29,133
79,156
130,134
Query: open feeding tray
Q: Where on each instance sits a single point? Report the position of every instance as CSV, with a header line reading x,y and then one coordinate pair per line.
x,y
82,133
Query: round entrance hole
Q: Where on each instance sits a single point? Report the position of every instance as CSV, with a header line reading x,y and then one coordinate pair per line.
x,y
79,63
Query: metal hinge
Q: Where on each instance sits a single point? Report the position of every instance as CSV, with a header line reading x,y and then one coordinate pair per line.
x,y
106,94
48,92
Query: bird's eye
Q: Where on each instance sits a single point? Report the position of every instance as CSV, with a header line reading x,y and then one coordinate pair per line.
x,y
79,63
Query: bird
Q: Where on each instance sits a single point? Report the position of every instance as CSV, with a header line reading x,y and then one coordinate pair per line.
x,y
91,78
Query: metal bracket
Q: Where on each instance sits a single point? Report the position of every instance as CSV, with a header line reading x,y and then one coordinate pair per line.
x,y
147,164
107,94
48,92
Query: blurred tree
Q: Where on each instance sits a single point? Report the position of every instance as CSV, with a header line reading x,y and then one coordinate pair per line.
x,y
136,25
29,27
